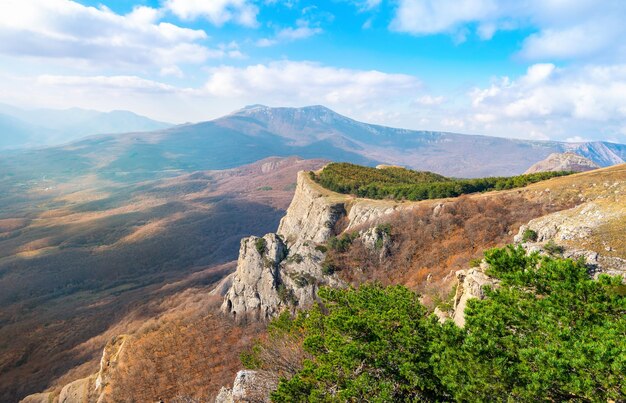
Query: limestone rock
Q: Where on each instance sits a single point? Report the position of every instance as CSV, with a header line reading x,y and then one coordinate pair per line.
x,y
109,361
568,161
471,284
38,398
249,386
377,239
310,216
255,284
80,391
225,396
582,232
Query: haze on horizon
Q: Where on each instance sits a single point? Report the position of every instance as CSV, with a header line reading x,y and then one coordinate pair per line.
x,y
550,69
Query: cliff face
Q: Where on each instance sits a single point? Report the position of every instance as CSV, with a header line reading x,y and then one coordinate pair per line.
x,y
288,273
283,270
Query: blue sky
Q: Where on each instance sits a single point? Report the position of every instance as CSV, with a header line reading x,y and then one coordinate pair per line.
x,y
541,69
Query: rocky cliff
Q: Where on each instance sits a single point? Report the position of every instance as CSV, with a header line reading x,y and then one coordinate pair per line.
x,y
285,269
568,161
90,389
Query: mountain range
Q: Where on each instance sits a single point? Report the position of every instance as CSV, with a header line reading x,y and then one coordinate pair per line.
x,y
256,132
46,127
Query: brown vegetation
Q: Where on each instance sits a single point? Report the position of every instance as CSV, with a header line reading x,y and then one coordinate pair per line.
x,y
185,358
78,259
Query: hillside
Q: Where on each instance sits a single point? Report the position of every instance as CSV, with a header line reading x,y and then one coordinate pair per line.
x,y
258,132
332,239
79,257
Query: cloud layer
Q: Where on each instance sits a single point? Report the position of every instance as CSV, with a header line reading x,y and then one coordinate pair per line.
x,y
580,29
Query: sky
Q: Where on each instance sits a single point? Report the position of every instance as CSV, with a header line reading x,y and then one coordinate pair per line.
x,y
532,69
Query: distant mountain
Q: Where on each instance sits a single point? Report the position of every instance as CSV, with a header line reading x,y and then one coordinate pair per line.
x,y
257,132
563,162
45,127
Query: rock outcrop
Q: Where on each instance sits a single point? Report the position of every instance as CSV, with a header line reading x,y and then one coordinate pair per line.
x,y
289,272
311,216
471,284
255,286
91,389
593,231
568,161
249,386
286,272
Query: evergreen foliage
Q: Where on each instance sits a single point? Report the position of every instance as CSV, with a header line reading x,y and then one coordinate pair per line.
x,y
548,332
406,184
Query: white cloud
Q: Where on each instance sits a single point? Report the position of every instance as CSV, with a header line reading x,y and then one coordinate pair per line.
x,y
63,29
174,71
218,12
302,30
581,29
367,5
430,100
93,83
440,16
289,83
564,102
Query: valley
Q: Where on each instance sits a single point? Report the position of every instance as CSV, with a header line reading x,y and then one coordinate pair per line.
x,y
80,258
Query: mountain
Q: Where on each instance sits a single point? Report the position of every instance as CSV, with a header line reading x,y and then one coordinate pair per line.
x,y
563,162
45,127
257,132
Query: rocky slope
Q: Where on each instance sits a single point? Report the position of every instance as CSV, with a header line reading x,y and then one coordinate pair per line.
x,y
563,162
592,231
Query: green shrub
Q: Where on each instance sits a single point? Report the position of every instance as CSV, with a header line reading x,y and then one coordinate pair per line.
x,y
285,294
328,268
548,332
552,248
321,248
475,262
260,245
529,235
296,258
342,243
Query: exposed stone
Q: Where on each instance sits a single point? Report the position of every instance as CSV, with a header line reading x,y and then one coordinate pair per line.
x,y
255,285
109,361
568,161
91,389
573,230
79,391
471,284
310,216
38,398
376,239
249,386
